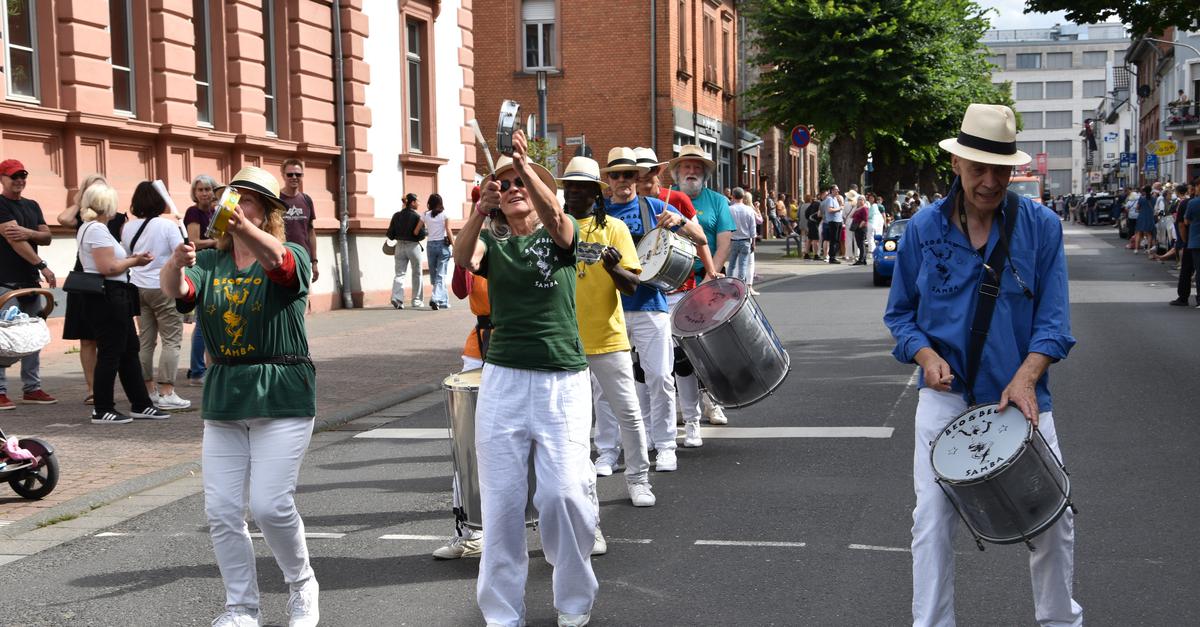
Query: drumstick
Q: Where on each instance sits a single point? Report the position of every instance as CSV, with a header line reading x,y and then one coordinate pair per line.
x,y
487,153
161,188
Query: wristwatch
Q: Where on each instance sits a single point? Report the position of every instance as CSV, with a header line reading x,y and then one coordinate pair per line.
x,y
41,265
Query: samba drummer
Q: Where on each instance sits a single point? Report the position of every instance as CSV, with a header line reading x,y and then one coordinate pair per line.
x,y
535,389
646,317
939,273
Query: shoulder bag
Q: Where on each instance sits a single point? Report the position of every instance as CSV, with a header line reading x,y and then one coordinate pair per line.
x,y
80,282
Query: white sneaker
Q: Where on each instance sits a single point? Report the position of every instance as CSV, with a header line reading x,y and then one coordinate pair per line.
x,y
459,547
417,303
171,401
303,610
666,462
691,435
641,495
605,463
236,617
573,620
600,547
713,412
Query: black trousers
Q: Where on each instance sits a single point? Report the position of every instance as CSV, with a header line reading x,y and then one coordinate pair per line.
x,y
111,319
1189,260
860,238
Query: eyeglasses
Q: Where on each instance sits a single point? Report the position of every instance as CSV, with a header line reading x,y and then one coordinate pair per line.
x,y
508,184
294,175
623,174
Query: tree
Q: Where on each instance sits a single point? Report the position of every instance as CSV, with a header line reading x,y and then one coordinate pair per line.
x,y
1142,16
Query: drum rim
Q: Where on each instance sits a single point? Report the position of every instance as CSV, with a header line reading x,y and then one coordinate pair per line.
x,y
1030,432
698,334
446,385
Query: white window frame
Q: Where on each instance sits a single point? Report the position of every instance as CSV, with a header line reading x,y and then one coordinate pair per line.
x,y
542,52
414,93
270,105
132,110
206,31
36,98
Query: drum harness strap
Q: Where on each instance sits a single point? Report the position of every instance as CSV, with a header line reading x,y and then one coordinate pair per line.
x,y
989,288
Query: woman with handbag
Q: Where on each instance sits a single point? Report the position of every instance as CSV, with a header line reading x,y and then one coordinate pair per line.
x,y
109,304
438,251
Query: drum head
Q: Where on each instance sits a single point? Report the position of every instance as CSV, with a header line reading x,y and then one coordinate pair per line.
x,y
466,380
708,306
978,442
652,253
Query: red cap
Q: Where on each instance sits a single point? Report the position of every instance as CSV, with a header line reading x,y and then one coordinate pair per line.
x,y
9,167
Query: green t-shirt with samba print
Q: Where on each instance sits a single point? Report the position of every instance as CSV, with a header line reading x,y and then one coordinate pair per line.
x,y
244,315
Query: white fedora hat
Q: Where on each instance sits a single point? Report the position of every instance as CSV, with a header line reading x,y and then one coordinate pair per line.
x,y
647,159
582,170
621,159
692,151
988,135
506,163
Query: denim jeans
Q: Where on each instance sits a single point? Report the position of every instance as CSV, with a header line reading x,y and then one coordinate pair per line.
x,y
408,259
437,254
739,259
197,367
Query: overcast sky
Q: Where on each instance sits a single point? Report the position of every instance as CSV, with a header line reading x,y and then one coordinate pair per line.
x,y
1011,15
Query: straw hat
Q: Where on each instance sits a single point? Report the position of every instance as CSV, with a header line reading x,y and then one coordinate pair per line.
x,y
506,163
988,135
692,151
647,159
622,159
583,170
257,180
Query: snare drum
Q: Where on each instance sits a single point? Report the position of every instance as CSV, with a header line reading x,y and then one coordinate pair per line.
x,y
730,343
666,259
462,391
1000,474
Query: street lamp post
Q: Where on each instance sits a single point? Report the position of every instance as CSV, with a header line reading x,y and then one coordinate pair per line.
x,y
541,89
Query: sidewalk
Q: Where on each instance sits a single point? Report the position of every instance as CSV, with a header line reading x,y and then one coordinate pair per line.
x,y
366,359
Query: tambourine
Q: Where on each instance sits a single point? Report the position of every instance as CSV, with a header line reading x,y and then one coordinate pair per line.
x,y
510,121
225,207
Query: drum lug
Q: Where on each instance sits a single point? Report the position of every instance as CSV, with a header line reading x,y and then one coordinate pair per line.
x,y
1030,545
978,542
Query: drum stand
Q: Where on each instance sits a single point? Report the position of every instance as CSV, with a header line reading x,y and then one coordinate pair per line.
x,y
1007,501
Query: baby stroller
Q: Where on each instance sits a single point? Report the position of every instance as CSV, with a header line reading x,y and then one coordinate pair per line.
x,y
27,464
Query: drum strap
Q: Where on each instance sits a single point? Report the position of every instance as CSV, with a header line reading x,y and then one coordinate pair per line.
x,y
644,206
989,290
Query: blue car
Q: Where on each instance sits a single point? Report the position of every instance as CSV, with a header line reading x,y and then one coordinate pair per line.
x,y
886,245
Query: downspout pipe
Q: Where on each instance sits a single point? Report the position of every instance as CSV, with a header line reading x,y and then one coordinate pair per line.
x,y
339,121
654,76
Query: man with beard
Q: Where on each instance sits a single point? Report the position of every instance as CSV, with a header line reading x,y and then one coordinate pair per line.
x,y
646,313
690,171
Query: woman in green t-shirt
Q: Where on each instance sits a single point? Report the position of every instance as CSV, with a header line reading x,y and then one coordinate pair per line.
x,y
259,396
535,394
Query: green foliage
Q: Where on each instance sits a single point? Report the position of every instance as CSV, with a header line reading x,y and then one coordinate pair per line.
x,y
1142,16
543,153
824,170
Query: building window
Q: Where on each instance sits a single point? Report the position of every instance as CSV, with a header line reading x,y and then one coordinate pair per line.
x,y
726,165
1058,181
200,29
416,81
710,151
683,35
1058,119
20,50
268,16
998,60
1093,89
120,32
1058,90
726,73
538,17
1030,148
1031,120
1058,148
1097,58
710,53
1029,61
1029,91
1058,60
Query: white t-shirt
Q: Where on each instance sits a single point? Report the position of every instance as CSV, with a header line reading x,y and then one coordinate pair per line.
x,y
744,219
435,225
829,207
91,236
160,238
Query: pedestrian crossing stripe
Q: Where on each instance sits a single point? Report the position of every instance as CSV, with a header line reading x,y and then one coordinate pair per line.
x,y
716,433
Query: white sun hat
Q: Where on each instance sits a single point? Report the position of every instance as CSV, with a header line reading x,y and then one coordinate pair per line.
x,y
988,135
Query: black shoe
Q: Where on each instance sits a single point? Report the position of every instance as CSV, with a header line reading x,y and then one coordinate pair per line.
x,y
111,417
834,261
860,263
150,413
397,304
1179,302
433,306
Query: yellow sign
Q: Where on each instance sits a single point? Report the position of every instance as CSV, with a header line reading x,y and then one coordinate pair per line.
x,y
1164,147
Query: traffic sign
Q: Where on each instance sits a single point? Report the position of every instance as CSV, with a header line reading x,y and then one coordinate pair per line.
x,y
1124,159
800,136
1151,164
1161,147
575,141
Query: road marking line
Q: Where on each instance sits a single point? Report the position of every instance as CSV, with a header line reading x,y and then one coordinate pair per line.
x,y
315,535
110,534
870,547
406,434
717,433
630,540
796,545
5,522
405,536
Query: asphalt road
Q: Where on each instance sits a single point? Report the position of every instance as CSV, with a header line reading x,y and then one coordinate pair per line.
x,y
764,531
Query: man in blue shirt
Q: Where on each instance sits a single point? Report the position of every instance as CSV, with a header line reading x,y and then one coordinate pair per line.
x,y
1190,259
929,311
646,315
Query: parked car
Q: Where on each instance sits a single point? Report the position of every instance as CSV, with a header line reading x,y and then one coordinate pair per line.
x,y
886,246
1108,209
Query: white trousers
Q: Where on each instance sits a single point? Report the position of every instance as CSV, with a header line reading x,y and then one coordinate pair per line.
x,y
650,334
261,456
935,524
688,386
614,392
548,414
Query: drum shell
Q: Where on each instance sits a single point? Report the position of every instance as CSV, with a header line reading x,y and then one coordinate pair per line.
x,y
460,412
741,361
1018,500
676,269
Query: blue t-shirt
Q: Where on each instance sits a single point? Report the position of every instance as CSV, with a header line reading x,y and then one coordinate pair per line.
x,y
712,212
1193,217
646,298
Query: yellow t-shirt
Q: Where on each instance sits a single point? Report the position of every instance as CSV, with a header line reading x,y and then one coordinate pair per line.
x,y
597,302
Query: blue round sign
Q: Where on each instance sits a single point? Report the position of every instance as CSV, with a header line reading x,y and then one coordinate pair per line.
x,y
800,136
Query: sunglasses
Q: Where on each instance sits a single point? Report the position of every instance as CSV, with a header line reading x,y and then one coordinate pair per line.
x,y
19,176
623,174
508,184
294,175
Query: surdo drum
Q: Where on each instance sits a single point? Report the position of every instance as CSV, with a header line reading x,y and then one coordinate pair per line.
x,y
462,392
666,259
730,343
1000,475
